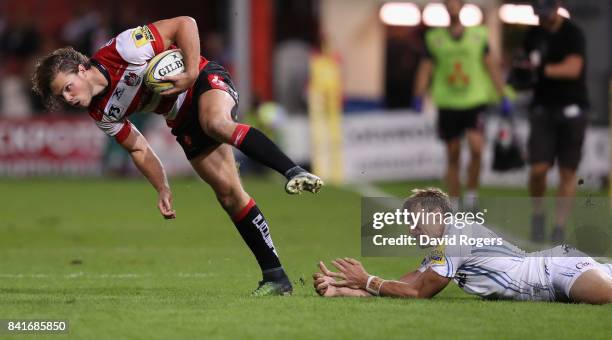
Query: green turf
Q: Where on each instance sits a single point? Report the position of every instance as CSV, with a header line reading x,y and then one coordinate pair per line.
x,y
97,254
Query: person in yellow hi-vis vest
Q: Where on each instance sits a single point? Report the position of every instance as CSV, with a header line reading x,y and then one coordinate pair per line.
x,y
461,69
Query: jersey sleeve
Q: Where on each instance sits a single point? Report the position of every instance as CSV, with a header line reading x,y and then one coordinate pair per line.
x,y
119,130
441,262
138,45
576,44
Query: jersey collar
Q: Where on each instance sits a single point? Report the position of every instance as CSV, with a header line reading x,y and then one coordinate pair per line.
x,y
105,73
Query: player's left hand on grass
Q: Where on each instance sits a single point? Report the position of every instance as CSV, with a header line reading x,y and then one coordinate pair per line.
x,y
322,284
352,273
164,204
182,82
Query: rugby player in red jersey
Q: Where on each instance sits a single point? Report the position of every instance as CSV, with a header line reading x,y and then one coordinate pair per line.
x,y
201,109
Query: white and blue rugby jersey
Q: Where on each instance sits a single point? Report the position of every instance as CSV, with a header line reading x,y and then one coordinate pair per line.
x,y
499,271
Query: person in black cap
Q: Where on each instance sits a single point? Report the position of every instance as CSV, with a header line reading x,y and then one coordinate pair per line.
x,y
558,118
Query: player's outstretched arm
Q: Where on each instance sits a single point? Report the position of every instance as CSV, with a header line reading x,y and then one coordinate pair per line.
x,y
410,276
424,286
182,31
150,166
353,275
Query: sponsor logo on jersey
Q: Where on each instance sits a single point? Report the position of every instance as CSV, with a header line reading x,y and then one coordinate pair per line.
x,y
142,35
131,79
148,34
114,111
118,92
581,265
217,82
437,255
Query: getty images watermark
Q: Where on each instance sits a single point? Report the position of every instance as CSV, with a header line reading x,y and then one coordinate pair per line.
x,y
422,219
389,229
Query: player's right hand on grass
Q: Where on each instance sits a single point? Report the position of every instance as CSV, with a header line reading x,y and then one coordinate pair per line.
x,y
164,204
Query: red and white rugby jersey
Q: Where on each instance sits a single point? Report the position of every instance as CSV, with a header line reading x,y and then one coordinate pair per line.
x,y
123,61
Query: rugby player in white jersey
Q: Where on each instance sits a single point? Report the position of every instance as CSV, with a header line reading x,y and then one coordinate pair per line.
x,y
201,109
498,271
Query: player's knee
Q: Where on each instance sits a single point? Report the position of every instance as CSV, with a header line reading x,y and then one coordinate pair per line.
x,y
230,197
212,127
453,160
539,172
476,155
567,176
218,127
227,198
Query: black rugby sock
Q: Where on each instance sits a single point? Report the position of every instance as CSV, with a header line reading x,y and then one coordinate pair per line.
x,y
253,228
259,147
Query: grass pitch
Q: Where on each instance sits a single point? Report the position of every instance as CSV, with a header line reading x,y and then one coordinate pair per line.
x,y
97,253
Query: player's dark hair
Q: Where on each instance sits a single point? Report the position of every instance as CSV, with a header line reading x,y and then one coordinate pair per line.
x,y
65,60
428,199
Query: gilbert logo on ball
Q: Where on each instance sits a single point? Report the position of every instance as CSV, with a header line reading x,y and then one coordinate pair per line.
x,y
167,63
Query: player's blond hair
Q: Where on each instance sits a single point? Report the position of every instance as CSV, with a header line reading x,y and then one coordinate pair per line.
x,y
428,199
65,60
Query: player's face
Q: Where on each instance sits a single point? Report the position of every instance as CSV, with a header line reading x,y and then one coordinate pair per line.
x,y
72,88
430,227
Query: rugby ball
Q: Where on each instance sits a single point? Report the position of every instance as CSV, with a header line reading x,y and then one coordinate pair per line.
x,y
167,63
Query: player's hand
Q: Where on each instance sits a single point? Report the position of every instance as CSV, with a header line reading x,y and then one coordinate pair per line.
x,y
352,273
182,82
322,285
164,204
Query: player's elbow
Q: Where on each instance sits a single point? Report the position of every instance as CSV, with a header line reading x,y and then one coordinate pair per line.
x,y
605,299
137,148
187,20
412,293
423,295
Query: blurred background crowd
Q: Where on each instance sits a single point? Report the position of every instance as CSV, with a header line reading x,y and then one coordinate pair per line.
x,y
269,48
379,56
